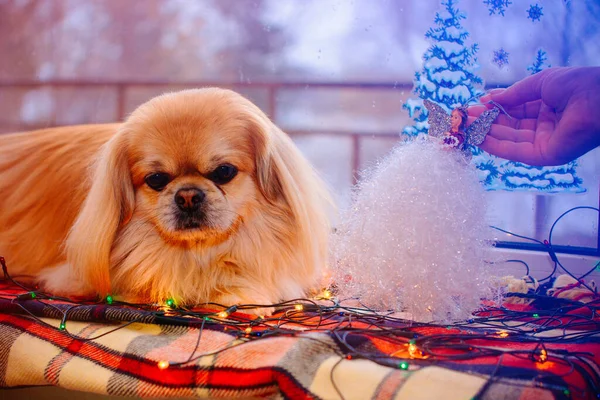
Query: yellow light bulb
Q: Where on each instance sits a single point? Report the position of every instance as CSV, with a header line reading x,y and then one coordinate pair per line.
x,y
413,350
503,334
162,364
543,356
299,307
248,330
326,294
223,314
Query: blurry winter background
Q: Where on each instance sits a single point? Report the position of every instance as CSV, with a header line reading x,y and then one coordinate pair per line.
x,y
333,73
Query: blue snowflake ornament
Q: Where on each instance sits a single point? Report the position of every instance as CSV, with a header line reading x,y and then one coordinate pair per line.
x,y
498,6
500,58
535,12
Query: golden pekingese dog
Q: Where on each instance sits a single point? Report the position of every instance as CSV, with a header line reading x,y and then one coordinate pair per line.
x,y
196,197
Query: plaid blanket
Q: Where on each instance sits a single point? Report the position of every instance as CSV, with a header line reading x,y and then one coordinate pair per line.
x,y
334,354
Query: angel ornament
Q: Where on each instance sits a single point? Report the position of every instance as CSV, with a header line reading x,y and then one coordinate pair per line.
x,y
452,130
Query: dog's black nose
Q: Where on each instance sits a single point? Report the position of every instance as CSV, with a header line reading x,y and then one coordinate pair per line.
x,y
189,199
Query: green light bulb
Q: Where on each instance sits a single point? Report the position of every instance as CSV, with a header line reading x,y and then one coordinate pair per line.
x,y
170,302
62,326
109,299
403,365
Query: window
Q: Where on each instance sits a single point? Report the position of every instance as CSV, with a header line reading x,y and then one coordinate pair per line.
x,y
333,74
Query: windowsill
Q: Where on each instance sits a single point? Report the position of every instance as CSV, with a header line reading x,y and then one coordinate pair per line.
x,y
541,265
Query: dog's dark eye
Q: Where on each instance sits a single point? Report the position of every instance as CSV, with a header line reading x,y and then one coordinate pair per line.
x,y
158,180
223,174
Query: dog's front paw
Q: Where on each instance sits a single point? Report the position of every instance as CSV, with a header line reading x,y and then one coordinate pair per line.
x,y
60,281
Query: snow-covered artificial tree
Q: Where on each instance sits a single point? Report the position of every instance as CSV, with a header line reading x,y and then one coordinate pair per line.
x,y
447,77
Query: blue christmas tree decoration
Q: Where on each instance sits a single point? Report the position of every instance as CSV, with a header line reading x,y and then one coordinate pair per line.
x,y
518,176
535,12
498,6
447,77
500,58
539,63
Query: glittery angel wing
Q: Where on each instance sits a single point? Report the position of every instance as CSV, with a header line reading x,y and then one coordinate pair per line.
x,y
475,133
438,118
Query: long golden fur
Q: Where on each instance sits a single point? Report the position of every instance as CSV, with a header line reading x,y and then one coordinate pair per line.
x,y
79,227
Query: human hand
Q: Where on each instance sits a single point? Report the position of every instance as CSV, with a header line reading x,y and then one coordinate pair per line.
x,y
554,117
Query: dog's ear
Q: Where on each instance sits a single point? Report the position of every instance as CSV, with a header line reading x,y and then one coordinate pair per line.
x,y
276,160
290,184
270,169
108,205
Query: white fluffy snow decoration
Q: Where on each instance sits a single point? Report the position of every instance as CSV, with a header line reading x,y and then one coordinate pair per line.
x,y
415,237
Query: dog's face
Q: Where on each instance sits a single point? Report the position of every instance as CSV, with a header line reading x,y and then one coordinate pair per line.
x,y
192,160
212,176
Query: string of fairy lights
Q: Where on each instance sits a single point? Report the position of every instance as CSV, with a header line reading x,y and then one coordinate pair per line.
x,y
541,333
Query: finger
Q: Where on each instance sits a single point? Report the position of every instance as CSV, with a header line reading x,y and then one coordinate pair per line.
x,y
488,95
511,134
528,124
524,152
475,111
531,109
517,123
504,120
526,90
